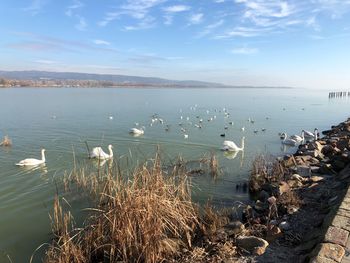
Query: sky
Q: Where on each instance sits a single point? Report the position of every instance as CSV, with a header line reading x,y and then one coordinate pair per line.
x,y
297,43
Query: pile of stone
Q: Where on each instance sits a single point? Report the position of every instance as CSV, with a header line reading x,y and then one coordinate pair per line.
x,y
298,195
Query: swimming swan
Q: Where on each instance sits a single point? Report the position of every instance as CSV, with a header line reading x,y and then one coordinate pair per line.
x,y
288,141
232,147
98,153
32,161
136,131
310,135
298,138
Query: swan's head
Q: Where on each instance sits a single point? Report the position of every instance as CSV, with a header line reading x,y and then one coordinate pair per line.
x,y
43,150
110,146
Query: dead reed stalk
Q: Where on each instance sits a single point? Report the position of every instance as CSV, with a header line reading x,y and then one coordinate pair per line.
x,y
6,142
146,218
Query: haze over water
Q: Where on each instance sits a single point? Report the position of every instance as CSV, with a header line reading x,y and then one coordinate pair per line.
x,y
61,120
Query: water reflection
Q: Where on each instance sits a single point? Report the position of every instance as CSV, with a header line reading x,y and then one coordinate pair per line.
x,y
98,163
232,155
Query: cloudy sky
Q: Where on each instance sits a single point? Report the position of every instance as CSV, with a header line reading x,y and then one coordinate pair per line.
x,y
301,43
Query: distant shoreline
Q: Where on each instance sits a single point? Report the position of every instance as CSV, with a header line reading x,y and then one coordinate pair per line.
x,y
141,86
47,79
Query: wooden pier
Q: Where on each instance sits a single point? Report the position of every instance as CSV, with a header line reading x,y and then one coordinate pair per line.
x,y
338,94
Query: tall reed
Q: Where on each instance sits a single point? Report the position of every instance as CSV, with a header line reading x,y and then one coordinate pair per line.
x,y
147,217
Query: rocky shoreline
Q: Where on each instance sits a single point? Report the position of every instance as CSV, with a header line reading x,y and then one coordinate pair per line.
x,y
297,198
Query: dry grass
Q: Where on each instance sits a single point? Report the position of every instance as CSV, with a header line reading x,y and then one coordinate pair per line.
x,y
214,166
6,142
265,169
146,218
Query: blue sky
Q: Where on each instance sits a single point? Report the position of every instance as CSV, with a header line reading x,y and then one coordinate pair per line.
x,y
301,43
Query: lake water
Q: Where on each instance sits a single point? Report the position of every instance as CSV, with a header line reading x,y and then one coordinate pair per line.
x,y
62,119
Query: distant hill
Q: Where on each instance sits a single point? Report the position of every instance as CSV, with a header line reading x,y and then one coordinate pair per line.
x,y
122,79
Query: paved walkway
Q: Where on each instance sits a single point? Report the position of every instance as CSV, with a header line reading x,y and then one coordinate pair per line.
x,y
336,244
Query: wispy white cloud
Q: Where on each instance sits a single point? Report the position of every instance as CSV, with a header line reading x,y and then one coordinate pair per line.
x,y
35,7
243,32
42,43
336,8
196,18
103,67
176,8
244,51
209,28
261,12
101,42
146,23
219,1
136,9
328,37
72,11
75,5
170,11
45,61
168,19
81,25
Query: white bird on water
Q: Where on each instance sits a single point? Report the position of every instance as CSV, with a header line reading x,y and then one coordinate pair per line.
x,y
288,141
32,161
310,135
298,138
98,153
136,131
232,147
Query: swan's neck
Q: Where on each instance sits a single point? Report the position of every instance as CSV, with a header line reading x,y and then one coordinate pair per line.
x,y
110,152
43,156
242,145
285,137
316,135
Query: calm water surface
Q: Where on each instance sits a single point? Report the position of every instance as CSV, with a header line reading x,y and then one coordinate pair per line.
x,y
61,120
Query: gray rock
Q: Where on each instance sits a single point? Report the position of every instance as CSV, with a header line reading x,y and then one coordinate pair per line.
x,y
260,206
284,225
304,170
234,228
263,195
253,245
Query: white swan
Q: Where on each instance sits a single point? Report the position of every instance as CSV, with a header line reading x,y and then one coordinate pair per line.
x,y
98,153
310,135
232,147
298,138
32,161
136,131
288,141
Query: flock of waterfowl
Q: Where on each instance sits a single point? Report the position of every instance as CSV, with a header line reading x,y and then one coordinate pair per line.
x,y
228,145
297,139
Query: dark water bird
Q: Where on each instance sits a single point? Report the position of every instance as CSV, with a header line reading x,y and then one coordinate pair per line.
x,y
222,134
